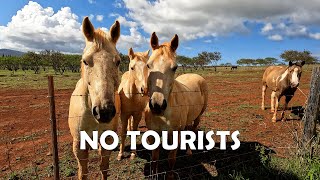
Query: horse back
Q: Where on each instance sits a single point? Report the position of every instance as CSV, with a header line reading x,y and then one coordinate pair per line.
x,y
194,92
272,72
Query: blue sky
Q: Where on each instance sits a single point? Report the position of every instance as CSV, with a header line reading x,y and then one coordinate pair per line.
x,y
236,28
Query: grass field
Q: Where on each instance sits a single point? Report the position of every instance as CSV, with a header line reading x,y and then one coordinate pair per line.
x,y
267,149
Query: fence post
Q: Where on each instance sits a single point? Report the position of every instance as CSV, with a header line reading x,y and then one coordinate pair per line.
x,y
53,128
312,110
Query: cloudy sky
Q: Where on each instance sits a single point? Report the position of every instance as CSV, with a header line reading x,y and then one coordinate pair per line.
x,y
236,28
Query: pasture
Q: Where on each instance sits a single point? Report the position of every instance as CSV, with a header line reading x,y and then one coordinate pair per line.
x,y
234,104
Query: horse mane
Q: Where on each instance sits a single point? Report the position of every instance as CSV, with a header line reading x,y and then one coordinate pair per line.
x,y
166,49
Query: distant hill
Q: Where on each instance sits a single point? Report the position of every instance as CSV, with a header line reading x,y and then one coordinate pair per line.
x,y
9,52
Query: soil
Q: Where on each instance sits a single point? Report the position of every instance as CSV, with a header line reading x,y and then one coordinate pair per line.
x,y
234,104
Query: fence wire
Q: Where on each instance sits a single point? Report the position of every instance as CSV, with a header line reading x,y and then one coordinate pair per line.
x,y
30,150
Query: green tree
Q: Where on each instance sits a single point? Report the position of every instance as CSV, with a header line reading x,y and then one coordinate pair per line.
x,y
34,60
205,58
184,61
124,63
58,62
293,55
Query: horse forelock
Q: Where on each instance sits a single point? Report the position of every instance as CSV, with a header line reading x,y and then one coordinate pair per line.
x,y
101,40
165,49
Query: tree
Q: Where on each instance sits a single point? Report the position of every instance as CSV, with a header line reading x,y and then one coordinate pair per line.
x,y
184,61
292,55
72,62
124,63
34,60
246,62
45,59
270,61
205,58
58,61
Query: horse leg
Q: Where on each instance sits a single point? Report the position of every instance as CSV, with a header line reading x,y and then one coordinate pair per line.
x,y
135,122
273,96
155,157
124,124
277,99
104,161
288,98
82,159
172,156
264,88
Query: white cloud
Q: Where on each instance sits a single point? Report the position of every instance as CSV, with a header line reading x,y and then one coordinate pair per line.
x,y
91,1
315,36
35,28
117,4
275,37
124,22
202,18
99,18
91,17
268,27
135,40
208,41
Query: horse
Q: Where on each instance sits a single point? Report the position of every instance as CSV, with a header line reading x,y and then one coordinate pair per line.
x,y
283,81
93,104
174,104
132,91
234,67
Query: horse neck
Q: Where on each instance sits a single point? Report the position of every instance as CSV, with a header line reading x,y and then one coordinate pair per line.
x,y
129,87
284,80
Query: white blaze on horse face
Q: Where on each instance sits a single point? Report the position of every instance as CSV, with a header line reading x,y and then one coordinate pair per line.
x,y
294,78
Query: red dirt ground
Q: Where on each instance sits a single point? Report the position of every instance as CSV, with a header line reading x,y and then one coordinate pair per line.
x,y
234,104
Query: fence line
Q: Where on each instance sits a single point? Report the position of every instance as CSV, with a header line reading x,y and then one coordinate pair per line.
x,y
140,150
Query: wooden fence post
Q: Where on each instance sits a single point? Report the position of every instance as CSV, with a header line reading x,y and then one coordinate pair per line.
x,y
311,113
53,128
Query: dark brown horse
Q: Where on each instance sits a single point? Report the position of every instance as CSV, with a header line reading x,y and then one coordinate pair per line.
x,y
283,81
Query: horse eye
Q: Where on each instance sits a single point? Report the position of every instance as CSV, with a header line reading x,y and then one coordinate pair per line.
x,y
132,68
117,63
85,62
174,68
148,66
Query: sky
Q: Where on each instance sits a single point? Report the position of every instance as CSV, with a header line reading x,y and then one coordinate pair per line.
x,y
236,28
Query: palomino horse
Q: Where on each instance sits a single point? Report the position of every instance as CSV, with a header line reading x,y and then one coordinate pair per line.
x,y
175,104
132,90
93,104
283,81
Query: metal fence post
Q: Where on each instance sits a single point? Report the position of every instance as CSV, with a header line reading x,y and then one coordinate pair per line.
x,y
53,128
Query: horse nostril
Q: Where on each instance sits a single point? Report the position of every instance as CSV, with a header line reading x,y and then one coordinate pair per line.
x,y
164,105
150,104
95,112
142,90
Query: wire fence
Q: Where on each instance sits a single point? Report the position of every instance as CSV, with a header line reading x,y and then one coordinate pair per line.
x,y
26,139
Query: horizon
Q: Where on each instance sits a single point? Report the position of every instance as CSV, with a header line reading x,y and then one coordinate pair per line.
x,y
237,29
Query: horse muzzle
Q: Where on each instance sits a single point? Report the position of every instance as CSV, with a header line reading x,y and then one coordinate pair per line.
x,y
156,108
104,115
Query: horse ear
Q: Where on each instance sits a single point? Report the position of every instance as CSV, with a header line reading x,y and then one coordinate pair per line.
x,y
154,42
174,42
115,31
290,63
303,62
87,29
131,53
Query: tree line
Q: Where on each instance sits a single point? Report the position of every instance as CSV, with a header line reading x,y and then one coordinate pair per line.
x,y
61,63
289,55
42,61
